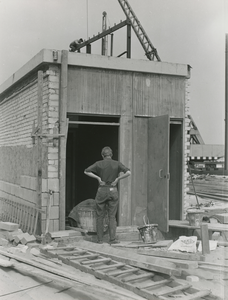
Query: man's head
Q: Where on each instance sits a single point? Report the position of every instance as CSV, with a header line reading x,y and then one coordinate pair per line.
x,y
106,151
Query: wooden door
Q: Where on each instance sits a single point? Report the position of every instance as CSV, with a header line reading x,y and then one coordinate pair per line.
x,y
158,171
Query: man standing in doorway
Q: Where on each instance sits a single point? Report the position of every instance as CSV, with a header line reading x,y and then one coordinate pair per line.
x,y
107,172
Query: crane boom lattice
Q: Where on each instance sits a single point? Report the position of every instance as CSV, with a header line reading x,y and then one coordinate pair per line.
x,y
148,47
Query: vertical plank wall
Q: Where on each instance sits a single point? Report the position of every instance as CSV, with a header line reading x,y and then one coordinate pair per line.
x,y
134,97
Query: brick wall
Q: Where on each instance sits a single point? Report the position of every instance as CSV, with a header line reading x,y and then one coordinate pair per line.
x,y
18,154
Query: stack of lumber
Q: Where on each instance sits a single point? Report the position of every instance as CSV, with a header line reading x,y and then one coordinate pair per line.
x,y
151,257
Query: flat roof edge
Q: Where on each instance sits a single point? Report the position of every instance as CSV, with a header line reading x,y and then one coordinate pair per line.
x,y
97,61
44,56
132,65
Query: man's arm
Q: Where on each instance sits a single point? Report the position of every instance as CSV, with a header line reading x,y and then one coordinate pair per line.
x,y
121,176
90,174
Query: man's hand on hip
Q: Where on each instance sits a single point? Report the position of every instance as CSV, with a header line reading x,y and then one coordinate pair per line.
x,y
114,183
101,182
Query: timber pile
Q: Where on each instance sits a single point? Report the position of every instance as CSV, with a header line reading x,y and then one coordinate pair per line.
x,y
134,268
150,271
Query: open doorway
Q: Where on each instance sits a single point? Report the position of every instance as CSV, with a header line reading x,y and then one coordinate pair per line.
x,y
86,137
175,169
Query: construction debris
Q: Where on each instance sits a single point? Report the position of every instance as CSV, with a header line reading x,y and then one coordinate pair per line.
x,y
9,226
11,235
132,265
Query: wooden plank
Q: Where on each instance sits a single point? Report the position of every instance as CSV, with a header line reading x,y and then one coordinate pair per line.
x,y
150,284
52,270
197,295
36,222
211,226
108,267
96,261
172,290
68,253
123,272
139,277
214,269
63,139
205,238
39,145
141,244
134,259
89,256
170,254
63,233
185,264
32,220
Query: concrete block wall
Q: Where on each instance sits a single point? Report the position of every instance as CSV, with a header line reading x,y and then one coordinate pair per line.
x,y
186,143
17,114
18,154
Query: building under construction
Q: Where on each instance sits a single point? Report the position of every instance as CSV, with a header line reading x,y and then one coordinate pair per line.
x,y
61,108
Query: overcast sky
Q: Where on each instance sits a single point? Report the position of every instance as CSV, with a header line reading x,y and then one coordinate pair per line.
x,y
183,31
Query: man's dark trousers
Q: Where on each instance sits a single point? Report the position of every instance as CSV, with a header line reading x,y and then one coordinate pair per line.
x,y
106,198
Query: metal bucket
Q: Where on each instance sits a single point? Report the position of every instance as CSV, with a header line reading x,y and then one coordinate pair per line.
x,y
148,232
195,217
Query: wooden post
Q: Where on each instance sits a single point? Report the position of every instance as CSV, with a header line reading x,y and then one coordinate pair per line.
x,y
39,145
205,238
125,153
62,144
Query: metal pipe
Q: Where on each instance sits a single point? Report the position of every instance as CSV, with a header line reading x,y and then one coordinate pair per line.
x,y
111,50
104,41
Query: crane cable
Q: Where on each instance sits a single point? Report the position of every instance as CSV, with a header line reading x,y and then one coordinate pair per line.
x,y
87,16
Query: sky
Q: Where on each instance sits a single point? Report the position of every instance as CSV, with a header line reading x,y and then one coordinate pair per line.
x,y
183,31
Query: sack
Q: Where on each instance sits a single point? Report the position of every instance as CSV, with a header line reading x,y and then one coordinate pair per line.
x,y
185,244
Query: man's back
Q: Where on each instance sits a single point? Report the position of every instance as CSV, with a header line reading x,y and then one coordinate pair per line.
x,y
107,169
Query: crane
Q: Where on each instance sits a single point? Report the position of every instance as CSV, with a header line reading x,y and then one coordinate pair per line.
x,y
131,21
148,47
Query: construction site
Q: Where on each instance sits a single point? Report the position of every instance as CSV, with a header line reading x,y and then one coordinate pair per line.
x,y
57,112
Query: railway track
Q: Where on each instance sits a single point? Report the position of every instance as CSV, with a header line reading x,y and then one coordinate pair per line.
x,y
211,188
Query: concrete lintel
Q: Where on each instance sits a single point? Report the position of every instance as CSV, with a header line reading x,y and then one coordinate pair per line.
x,y
97,61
